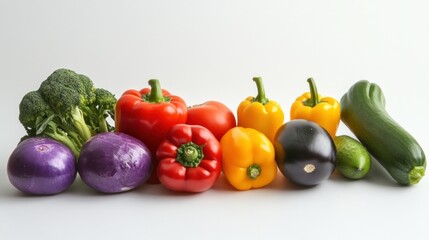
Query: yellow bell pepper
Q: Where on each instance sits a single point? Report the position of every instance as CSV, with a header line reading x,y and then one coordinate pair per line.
x,y
260,113
311,106
247,158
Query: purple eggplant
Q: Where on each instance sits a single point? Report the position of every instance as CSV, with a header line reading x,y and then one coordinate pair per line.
x,y
114,162
304,151
41,166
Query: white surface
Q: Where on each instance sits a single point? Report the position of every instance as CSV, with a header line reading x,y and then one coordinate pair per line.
x,y
202,51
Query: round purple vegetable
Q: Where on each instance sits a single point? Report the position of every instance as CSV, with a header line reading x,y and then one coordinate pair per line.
x,y
305,152
114,162
41,166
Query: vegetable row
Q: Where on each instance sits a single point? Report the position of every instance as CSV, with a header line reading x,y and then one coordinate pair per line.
x,y
152,136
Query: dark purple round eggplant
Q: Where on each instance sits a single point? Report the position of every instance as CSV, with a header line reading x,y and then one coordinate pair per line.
x,y
305,153
41,166
114,162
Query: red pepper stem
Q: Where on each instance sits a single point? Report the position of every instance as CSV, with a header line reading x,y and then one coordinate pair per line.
x,y
314,100
253,171
155,95
261,91
189,154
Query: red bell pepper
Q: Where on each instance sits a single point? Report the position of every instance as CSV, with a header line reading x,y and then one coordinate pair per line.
x,y
213,115
148,115
190,159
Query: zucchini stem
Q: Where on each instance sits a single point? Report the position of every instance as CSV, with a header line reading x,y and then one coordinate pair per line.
x,y
415,174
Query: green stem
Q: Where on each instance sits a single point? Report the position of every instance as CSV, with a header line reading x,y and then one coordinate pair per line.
x,y
102,124
190,154
76,139
415,174
80,124
59,136
261,91
314,99
253,171
67,142
155,95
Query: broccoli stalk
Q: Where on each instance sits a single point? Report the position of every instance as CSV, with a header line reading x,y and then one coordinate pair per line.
x,y
80,124
70,139
68,108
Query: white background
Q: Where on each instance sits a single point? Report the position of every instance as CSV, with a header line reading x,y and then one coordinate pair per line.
x,y
210,50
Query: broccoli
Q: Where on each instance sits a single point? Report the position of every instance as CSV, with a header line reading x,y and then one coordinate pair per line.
x,y
32,111
68,108
101,108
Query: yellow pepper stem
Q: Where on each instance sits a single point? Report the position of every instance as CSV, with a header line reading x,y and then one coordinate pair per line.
x,y
314,99
261,91
253,171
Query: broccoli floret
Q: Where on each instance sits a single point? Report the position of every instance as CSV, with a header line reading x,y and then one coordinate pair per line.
x,y
39,119
32,111
66,92
103,107
69,81
67,107
88,90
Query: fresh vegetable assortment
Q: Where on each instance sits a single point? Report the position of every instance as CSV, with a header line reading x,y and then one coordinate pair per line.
x,y
154,137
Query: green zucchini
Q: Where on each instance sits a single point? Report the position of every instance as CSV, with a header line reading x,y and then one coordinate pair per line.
x,y
363,111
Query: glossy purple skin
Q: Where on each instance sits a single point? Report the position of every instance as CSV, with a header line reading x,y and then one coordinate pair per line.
x,y
114,162
41,166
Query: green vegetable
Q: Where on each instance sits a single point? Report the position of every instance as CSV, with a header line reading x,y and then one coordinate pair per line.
x,y
102,107
363,111
353,160
68,108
